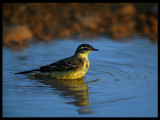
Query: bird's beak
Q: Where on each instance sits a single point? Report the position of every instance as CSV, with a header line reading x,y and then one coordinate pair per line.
x,y
95,49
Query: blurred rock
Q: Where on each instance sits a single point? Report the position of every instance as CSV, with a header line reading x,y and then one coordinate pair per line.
x,y
90,21
128,10
154,24
17,35
118,31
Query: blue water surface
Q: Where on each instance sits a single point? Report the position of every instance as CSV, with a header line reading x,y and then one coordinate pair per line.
x,y
122,81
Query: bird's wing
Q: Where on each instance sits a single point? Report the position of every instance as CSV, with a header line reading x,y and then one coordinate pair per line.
x,y
63,65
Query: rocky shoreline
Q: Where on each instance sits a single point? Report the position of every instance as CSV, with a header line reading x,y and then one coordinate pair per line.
x,y
23,23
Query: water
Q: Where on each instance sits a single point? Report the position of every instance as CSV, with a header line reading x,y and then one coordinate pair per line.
x,y
122,81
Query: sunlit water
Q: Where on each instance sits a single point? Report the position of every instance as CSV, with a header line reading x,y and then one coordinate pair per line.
x,y
121,82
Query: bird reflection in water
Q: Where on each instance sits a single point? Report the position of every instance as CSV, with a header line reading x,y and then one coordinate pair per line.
x,y
75,89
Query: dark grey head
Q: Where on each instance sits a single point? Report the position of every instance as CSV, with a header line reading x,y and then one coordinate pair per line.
x,y
85,48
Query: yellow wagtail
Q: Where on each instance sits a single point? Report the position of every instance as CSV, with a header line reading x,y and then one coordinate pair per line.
x,y
73,67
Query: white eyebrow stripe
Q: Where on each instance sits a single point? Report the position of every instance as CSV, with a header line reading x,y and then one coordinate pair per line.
x,y
83,47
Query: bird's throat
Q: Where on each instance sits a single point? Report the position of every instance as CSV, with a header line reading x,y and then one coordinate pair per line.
x,y
84,55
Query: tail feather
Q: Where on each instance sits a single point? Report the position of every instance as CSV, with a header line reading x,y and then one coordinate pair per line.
x,y
26,72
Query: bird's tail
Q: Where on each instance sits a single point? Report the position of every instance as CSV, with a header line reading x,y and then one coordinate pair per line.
x,y
26,72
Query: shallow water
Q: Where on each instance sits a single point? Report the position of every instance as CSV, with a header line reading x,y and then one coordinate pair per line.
x,y
122,81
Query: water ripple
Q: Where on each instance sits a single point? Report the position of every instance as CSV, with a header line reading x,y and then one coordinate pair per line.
x,y
123,79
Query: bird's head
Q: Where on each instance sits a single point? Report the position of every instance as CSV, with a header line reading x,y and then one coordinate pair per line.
x,y
84,49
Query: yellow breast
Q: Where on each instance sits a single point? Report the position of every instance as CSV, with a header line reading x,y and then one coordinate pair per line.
x,y
78,73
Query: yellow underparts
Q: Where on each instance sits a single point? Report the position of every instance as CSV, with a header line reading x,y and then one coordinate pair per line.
x,y
72,74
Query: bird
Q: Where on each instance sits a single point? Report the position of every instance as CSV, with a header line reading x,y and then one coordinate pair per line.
x,y
74,67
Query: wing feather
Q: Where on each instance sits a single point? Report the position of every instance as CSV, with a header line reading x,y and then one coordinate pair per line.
x,y
63,65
